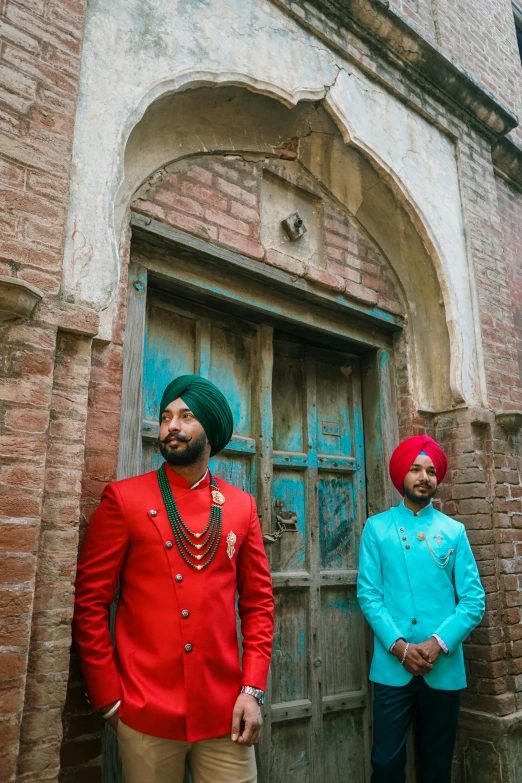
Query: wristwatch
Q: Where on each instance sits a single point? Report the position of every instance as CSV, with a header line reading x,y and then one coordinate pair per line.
x,y
255,692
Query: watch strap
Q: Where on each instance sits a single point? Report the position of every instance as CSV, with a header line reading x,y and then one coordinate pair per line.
x,y
257,693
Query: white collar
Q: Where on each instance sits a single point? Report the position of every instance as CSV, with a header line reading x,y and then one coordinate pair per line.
x,y
201,479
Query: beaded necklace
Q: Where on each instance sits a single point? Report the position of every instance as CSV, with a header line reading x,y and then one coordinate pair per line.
x,y
183,535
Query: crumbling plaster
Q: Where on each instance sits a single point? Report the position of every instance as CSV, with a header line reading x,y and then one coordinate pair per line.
x,y
136,51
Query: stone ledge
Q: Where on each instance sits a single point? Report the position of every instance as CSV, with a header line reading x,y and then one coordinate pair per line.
x,y
78,319
374,22
481,417
17,298
511,421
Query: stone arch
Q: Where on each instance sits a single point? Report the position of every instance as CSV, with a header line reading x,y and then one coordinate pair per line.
x,y
231,119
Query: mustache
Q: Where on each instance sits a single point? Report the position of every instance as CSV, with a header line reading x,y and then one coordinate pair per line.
x,y
181,438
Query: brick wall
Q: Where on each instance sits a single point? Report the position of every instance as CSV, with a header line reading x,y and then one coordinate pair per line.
x,y
49,650
479,35
40,42
508,461
510,209
218,199
82,730
490,273
421,14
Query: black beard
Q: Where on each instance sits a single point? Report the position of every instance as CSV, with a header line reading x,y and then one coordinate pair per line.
x,y
194,451
419,499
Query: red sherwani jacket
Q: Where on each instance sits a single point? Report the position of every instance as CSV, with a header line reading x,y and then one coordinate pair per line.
x,y
178,677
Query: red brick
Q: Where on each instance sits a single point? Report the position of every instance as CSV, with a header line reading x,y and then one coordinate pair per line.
x,y
325,279
282,261
15,569
12,665
244,245
237,193
180,203
206,195
200,175
243,212
18,538
223,219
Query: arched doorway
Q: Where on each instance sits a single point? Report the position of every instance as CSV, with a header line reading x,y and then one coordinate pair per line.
x,y
328,328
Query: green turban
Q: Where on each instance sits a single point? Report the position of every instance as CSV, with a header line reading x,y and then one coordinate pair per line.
x,y
207,403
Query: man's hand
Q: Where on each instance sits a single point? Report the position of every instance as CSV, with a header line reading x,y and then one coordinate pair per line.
x,y
430,649
417,661
246,720
113,720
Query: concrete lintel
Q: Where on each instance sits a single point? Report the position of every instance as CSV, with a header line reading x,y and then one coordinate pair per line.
x,y
375,22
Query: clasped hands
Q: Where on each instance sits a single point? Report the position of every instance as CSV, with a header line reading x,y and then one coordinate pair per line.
x,y
420,657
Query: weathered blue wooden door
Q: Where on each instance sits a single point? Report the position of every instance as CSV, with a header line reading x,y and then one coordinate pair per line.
x,y
318,689
298,447
182,340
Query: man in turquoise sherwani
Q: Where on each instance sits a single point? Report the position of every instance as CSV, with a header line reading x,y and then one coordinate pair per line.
x,y
420,591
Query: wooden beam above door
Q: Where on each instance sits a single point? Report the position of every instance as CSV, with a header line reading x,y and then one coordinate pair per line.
x,y
200,265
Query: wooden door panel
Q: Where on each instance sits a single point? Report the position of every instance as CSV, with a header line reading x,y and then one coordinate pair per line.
x,y
151,458
288,394
290,653
344,747
334,409
341,630
290,753
236,470
337,521
318,473
289,492
170,350
231,369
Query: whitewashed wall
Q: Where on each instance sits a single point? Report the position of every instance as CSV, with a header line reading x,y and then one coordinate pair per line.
x,y
136,51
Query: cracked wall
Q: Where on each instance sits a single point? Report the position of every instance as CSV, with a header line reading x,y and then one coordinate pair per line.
x,y
263,129
257,46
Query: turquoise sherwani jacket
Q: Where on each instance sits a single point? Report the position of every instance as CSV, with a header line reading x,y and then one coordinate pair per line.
x,y
403,592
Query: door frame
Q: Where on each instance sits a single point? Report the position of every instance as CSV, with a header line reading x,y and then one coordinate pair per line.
x,y
180,259
168,260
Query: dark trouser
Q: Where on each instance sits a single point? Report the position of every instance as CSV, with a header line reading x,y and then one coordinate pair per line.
x,y
436,716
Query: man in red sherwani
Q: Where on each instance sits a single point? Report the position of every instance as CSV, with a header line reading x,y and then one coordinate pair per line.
x,y
182,544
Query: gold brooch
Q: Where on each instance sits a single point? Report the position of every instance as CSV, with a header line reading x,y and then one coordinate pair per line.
x,y
218,497
231,540
422,536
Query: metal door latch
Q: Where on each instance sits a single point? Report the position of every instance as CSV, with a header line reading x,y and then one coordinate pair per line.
x,y
286,523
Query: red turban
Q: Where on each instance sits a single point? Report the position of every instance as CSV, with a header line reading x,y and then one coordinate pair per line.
x,y
407,452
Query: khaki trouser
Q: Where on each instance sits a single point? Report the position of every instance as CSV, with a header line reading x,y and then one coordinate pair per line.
x,y
147,759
